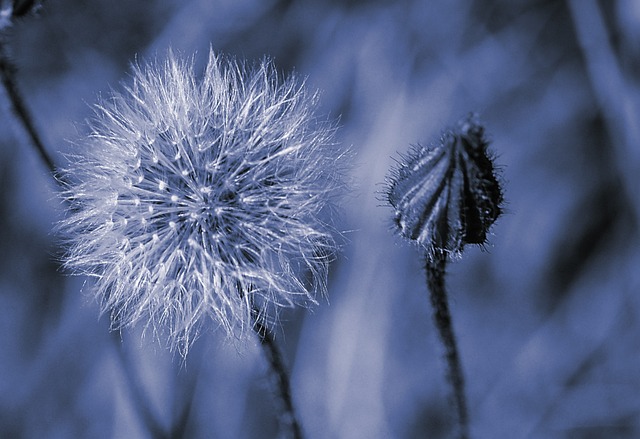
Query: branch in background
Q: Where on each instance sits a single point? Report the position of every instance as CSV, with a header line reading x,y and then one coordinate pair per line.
x,y
20,109
612,92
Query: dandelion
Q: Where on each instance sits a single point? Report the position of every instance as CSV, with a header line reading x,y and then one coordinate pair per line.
x,y
444,197
199,199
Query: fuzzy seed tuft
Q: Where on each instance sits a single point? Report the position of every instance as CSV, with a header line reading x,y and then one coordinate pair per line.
x,y
199,198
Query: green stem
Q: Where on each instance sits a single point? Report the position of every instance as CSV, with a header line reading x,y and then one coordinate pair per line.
x,y
435,269
287,416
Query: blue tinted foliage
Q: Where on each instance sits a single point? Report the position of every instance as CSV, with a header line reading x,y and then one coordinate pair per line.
x,y
545,312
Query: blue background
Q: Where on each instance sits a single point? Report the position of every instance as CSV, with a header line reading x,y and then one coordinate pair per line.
x,y
547,317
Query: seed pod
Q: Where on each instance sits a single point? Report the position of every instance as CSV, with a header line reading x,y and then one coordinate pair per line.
x,y
447,195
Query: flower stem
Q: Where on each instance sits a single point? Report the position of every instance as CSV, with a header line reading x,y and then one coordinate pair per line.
x,y
435,269
137,393
280,377
20,109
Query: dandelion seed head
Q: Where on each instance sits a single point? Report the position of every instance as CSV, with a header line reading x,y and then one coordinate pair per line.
x,y
446,195
198,198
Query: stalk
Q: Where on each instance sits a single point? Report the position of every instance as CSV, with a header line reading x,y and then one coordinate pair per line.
x,y
279,376
435,270
20,109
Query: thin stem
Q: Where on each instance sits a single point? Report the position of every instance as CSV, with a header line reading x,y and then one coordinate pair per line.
x,y
141,402
20,109
615,96
181,422
435,269
287,416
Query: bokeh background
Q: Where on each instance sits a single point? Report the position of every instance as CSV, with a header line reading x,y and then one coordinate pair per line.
x,y
547,316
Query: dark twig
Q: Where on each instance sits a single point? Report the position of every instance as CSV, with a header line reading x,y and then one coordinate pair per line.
x,y
20,109
287,416
435,269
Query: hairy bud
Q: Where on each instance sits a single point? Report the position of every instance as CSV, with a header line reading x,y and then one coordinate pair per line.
x,y
447,195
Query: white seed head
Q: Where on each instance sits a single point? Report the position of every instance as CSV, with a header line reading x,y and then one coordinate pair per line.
x,y
219,182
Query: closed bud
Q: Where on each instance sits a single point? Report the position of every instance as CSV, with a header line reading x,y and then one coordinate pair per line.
x,y
447,195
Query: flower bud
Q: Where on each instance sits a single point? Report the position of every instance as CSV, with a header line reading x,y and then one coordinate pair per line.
x,y
447,195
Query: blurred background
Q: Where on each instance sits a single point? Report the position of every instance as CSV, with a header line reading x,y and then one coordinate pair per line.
x,y
547,315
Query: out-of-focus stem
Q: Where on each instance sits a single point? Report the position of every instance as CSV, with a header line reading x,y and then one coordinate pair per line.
x,y
617,101
20,109
435,269
140,401
287,416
